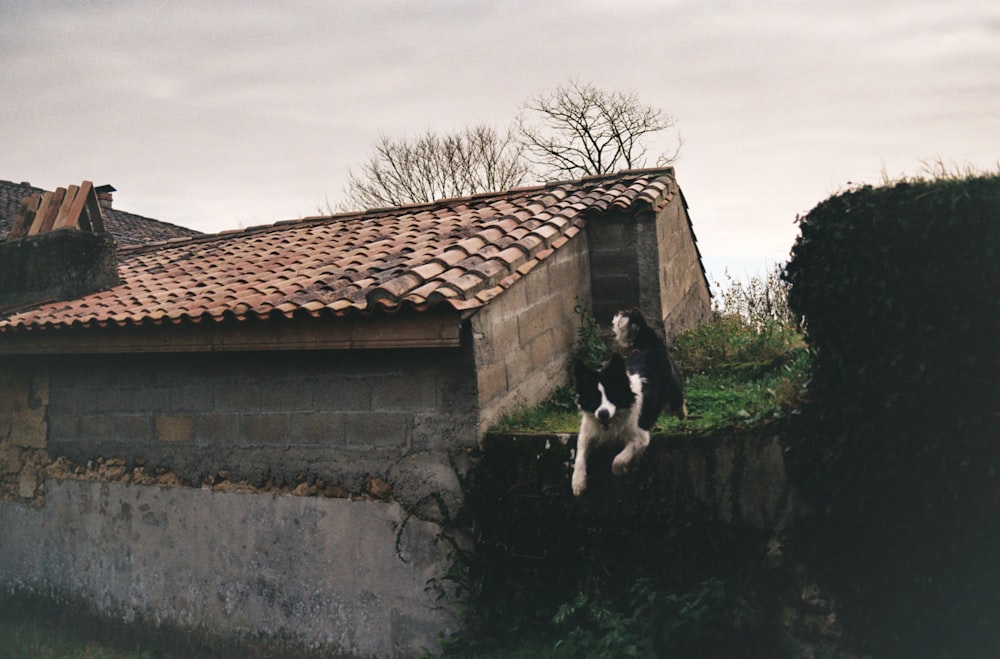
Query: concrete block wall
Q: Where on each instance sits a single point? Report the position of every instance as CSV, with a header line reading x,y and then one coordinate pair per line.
x,y
649,261
522,339
342,577
685,299
335,414
24,400
614,266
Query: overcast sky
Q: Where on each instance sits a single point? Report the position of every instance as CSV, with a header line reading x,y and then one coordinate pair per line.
x,y
222,114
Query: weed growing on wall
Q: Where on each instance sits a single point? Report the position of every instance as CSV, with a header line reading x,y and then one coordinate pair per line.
x,y
760,303
737,372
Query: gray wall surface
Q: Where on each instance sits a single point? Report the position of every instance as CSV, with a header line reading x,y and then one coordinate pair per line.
x,y
648,261
348,577
523,339
339,415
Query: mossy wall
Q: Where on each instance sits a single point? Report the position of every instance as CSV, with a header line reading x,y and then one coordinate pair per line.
x,y
691,509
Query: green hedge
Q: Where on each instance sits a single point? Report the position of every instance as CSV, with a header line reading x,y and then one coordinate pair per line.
x,y
900,452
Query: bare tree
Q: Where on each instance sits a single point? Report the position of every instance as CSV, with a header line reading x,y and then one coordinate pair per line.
x,y
578,130
399,172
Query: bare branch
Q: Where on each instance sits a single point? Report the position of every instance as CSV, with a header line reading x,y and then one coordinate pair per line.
x,y
578,130
399,172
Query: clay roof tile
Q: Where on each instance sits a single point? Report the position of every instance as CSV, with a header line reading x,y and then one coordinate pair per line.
x,y
461,253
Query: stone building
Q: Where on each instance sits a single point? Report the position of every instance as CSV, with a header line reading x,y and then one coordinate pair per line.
x,y
366,352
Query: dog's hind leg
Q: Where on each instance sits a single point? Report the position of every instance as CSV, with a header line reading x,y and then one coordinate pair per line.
x,y
635,446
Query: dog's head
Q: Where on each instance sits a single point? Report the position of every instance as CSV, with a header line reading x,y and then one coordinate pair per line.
x,y
603,393
626,325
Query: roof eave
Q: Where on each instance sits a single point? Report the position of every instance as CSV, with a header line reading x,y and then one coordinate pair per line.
x,y
440,328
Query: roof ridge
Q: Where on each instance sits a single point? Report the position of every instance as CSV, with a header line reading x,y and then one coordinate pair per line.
x,y
388,211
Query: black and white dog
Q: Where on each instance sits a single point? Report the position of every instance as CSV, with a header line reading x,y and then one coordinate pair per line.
x,y
621,402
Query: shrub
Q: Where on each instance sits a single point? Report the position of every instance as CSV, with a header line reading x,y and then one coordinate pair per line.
x,y
898,288
760,302
751,328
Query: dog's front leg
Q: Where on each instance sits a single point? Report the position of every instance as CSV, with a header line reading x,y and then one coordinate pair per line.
x,y
633,447
580,465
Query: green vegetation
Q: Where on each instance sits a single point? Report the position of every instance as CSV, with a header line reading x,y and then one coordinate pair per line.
x,y
558,576
898,446
747,365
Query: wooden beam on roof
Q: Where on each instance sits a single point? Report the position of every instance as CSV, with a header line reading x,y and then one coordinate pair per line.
x,y
401,330
64,219
25,217
38,225
93,214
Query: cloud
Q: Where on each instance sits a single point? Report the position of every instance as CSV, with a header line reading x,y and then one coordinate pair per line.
x,y
232,113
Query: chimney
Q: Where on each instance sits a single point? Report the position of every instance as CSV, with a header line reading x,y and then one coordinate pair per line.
x,y
57,249
104,196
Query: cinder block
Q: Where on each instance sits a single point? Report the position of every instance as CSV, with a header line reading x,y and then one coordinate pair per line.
x,y
288,394
217,428
174,428
492,381
69,397
96,427
537,284
334,393
265,428
191,397
505,337
133,427
417,391
232,395
377,429
532,321
518,367
318,428
543,348
64,427
438,432
608,235
141,399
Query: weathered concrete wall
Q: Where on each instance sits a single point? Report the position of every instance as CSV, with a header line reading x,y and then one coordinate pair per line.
x,y
524,337
24,399
649,261
60,265
347,577
339,415
614,265
685,300
737,479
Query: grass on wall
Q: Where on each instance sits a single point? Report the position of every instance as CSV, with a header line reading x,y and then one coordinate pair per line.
x,y
741,368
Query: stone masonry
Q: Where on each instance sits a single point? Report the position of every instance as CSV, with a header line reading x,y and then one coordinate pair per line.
x,y
340,415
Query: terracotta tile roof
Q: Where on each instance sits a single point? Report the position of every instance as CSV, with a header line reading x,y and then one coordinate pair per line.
x,y
456,252
126,228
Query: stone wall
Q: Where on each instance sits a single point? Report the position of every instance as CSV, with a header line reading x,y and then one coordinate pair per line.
x,y
649,261
523,338
24,399
614,266
346,578
59,265
738,479
339,415
685,300
372,442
